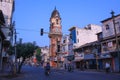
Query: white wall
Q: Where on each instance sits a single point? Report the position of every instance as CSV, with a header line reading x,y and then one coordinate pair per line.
x,y
87,35
7,8
45,53
110,31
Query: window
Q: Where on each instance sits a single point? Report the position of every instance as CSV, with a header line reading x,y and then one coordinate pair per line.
x,y
89,27
52,24
77,33
63,48
104,46
117,25
57,21
63,41
110,44
78,40
107,27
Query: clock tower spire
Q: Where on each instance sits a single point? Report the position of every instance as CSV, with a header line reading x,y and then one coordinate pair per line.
x,y
55,35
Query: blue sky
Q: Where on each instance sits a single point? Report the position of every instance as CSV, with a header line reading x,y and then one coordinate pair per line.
x,y
31,15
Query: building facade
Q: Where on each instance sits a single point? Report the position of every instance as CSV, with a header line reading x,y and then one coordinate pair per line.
x,y
87,56
2,36
45,54
82,37
55,35
110,43
65,49
7,8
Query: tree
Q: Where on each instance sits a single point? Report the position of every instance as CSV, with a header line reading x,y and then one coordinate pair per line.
x,y
24,50
38,54
11,51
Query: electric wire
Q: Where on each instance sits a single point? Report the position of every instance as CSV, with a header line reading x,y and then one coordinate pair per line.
x,y
27,30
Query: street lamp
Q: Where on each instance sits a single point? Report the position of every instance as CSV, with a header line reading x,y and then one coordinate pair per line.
x,y
116,38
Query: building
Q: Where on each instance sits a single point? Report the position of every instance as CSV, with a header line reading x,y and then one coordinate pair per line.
x,y
89,56
65,49
2,36
45,54
110,43
7,9
82,37
55,35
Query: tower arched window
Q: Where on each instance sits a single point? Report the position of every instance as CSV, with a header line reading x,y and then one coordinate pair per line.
x,y
52,24
56,21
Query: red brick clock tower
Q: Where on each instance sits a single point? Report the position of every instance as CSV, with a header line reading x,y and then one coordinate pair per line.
x,y
55,36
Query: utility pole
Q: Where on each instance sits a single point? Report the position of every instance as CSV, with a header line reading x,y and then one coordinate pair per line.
x,y
116,38
15,46
15,63
97,61
15,49
96,55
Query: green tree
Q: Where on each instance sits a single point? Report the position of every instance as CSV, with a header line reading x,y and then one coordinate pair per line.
x,y
24,50
11,50
38,54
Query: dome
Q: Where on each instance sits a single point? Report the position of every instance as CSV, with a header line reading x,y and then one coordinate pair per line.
x,y
55,13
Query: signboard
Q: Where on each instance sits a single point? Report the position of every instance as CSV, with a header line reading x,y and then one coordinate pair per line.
x,y
110,44
71,57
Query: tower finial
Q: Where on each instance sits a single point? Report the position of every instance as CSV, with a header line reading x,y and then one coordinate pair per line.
x,y
55,7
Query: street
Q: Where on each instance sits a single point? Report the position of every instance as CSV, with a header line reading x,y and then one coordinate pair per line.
x,y
37,73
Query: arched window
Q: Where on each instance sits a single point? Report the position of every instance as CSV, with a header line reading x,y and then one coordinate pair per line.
x,y
57,21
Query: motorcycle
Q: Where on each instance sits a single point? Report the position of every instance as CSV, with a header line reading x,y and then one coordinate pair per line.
x,y
47,72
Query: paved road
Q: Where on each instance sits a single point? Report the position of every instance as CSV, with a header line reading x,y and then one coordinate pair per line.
x,y
37,73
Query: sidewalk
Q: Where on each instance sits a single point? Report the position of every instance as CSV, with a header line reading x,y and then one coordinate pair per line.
x,y
85,70
94,70
7,74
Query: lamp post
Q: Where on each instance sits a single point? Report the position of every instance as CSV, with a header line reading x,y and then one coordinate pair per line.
x,y
116,38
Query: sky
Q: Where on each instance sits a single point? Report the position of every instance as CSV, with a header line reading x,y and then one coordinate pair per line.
x,y
32,15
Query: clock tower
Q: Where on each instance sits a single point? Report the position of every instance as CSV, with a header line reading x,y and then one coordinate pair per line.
x,y
55,35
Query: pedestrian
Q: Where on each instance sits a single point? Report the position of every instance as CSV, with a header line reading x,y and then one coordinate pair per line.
x,y
47,68
107,67
72,67
65,66
69,67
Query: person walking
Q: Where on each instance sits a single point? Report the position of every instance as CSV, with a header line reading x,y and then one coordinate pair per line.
x,y
65,65
69,67
107,67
